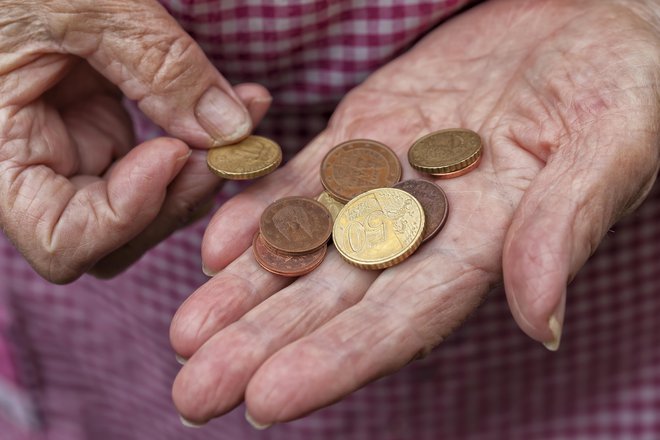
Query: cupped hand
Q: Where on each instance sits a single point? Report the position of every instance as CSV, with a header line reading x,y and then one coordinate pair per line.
x,y
565,97
75,194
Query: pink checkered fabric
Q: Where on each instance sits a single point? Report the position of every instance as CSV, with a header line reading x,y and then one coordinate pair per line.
x,y
92,360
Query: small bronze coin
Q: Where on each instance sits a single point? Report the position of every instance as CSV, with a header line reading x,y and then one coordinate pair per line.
x,y
433,201
446,152
357,166
295,225
286,265
253,157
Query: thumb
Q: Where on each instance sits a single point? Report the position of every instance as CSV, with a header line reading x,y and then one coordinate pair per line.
x,y
584,188
139,47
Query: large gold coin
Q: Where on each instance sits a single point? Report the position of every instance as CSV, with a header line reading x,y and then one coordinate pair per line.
x,y
446,152
253,157
379,228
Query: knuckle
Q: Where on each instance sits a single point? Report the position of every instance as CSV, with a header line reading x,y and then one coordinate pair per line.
x,y
173,65
62,278
73,25
57,263
55,268
21,23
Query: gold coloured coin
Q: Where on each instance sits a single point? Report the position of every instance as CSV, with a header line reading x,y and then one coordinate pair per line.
x,y
379,228
446,152
253,157
334,206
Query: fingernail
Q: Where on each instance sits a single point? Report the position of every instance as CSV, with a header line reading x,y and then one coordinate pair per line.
x,y
187,423
555,323
185,157
222,117
208,272
266,100
255,424
181,359
260,104
555,328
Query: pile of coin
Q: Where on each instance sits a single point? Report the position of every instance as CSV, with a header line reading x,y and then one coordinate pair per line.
x,y
385,220
375,220
293,236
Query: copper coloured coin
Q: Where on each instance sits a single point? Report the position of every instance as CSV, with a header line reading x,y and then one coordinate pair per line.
x,y
286,265
295,225
433,201
357,166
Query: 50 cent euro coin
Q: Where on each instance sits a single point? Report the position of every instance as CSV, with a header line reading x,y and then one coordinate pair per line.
x,y
379,228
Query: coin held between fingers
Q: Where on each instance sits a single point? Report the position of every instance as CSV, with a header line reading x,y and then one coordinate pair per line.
x,y
250,158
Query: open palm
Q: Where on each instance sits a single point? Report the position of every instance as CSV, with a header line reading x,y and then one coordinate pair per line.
x,y
563,96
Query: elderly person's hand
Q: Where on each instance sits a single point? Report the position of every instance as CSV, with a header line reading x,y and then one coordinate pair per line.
x,y
565,96
75,194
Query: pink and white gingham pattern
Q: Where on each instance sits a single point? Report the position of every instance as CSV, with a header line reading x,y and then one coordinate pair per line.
x,y
92,360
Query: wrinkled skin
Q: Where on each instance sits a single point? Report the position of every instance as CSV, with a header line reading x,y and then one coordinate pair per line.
x,y
565,97
76,194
